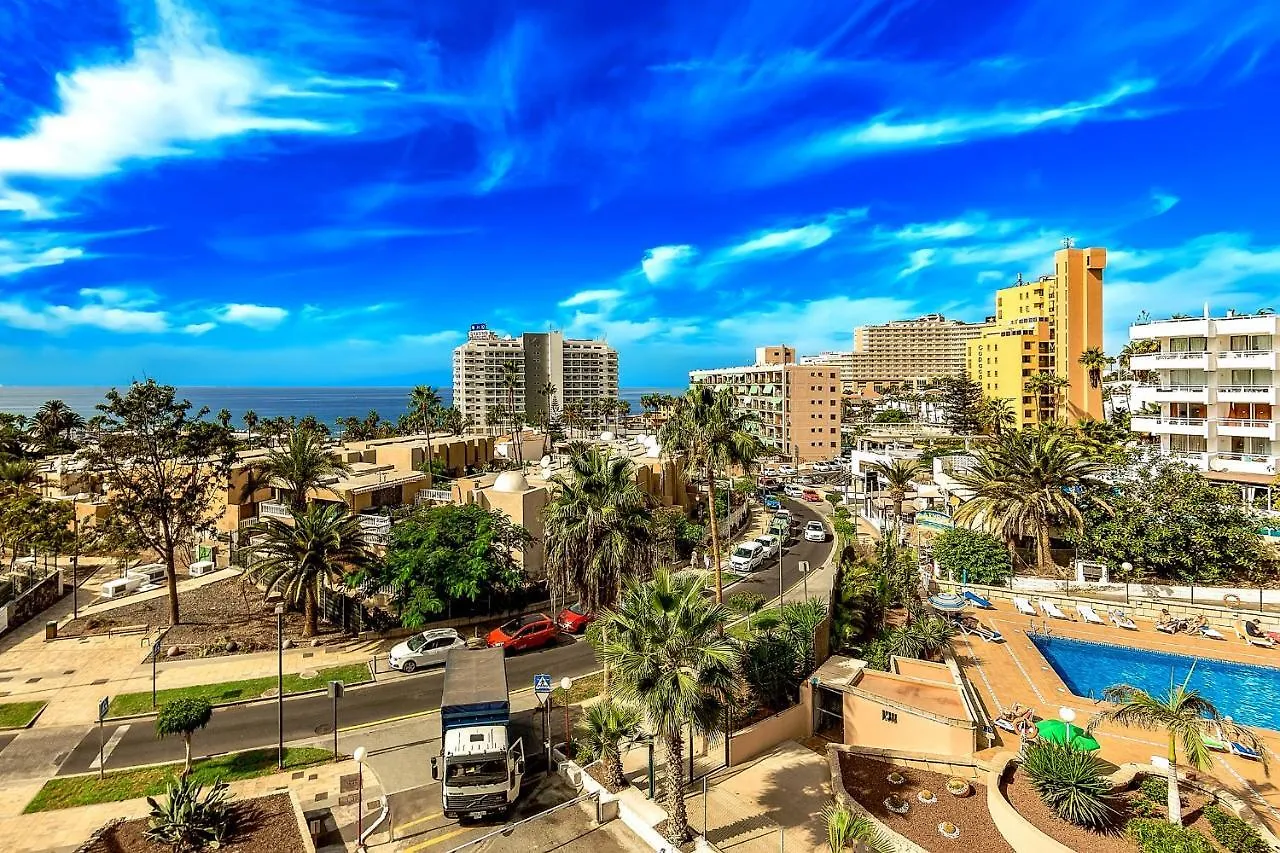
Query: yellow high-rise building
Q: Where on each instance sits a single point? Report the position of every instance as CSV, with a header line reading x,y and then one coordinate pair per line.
x,y
1043,326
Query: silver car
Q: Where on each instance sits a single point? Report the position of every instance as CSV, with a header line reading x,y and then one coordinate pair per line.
x,y
426,649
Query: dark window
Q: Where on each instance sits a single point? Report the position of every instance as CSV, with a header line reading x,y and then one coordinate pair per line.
x,y
888,716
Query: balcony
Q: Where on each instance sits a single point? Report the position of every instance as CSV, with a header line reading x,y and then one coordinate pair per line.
x,y
1172,361
1247,394
1247,359
1249,428
1164,425
1191,457
1192,327
1243,463
1179,393
273,509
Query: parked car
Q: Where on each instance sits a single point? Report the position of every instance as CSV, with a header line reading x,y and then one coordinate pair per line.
x,y
771,544
575,618
792,491
811,496
815,532
803,481
524,632
771,502
784,515
426,649
787,470
747,557
768,483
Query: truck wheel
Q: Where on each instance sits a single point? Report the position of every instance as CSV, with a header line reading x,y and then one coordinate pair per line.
x,y
409,667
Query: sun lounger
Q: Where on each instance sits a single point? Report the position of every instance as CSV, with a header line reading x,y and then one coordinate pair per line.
x,y
1121,621
1237,748
1243,633
1087,614
1168,627
1024,607
1204,629
973,626
978,600
1017,720
1051,609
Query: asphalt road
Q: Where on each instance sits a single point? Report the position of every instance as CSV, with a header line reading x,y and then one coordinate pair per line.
x,y
252,726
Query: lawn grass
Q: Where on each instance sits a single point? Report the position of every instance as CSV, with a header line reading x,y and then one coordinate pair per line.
x,y
234,691
584,687
66,792
18,715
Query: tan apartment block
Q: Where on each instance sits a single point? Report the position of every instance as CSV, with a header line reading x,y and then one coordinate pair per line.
x,y
911,352
795,408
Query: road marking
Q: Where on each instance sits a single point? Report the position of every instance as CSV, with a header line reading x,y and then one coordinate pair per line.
x,y
439,838
419,820
112,743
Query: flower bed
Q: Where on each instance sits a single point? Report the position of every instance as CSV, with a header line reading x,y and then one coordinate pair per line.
x,y
265,823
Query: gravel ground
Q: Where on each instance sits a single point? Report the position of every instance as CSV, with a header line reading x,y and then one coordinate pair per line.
x,y
866,781
263,825
231,609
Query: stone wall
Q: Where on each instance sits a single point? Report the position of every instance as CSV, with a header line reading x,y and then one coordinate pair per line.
x,y
34,601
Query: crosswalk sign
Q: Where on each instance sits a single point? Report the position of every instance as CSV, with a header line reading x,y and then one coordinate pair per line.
x,y
542,686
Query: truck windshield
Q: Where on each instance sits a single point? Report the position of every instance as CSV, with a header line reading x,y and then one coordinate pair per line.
x,y
489,772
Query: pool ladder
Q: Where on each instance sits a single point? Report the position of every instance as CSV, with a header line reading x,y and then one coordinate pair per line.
x,y
1043,630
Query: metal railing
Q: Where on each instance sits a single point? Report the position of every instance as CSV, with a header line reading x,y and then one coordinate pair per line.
x,y
1245,422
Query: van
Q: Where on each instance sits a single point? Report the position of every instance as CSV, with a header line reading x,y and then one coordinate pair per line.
x,y
747,557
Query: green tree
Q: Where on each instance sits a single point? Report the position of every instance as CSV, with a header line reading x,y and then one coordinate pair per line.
x,y
322,545
164,466
184,717
300,466
442,554
675,536
923,638
998,414
513,378
425,402
898,476
845,830
972,556
18,475
250,421
891,416
605,729
1023,485
548,394
1095,361
769,666
224,418
52,427
746,604
1185,716
666,646
961,404
708,432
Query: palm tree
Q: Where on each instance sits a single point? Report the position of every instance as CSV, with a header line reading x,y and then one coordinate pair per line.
x,y
1185,716
898,475
666,645
598,527
425,400
250,420
651,404
710,434
845,830
1047,385
53,424
1022,486
603,733
18,475
511,379
1096,361
300,465
623,409
224,418
1000,414
548,394
322,544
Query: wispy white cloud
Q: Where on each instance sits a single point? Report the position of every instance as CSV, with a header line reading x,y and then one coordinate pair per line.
x,y
916,261
62,318
198,329
15,259
261,317
588,297
788,240
661,261
445,337
1163,202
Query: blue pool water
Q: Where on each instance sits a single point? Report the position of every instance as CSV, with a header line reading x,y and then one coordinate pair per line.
x,y
1248,694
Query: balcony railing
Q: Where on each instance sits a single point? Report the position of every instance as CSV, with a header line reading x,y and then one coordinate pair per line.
x,y
1179,389
1173,356
1244,422
1245,389
438,495
273,509
1172,420
1243,353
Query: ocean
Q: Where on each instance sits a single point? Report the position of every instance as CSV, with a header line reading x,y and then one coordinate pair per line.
x,y
326,404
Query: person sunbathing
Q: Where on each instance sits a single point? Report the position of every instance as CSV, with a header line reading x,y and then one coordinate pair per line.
x,y
1253,628
1195,624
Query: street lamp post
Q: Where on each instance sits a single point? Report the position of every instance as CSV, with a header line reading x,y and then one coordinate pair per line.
x,y
280,685
1126,567
359,755
75,558
565,684
1068,716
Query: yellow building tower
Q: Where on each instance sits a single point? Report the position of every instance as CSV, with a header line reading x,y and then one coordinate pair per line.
x,y
1040,328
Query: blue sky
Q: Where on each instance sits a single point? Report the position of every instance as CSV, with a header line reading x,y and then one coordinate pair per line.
x,y
330,191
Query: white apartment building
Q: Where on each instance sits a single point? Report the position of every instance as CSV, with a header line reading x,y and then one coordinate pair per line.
x,y
579,370
1208,395
912,351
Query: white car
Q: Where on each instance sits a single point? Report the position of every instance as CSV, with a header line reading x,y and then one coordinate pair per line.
x,y
770,543
791,490
747,557
815,532
426,649
786,470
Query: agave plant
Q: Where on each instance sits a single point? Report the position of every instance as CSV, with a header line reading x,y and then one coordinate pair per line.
x,y
1070,782
188,819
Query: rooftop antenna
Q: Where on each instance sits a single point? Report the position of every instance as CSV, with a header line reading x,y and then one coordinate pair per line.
x,y
1068,242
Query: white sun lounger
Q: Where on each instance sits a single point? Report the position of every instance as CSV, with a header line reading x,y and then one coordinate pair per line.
x,y
1051,609
1087,614
1024,607
1121,621
1211,633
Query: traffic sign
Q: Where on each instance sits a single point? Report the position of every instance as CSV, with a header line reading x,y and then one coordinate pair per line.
x,y
542,686
804,566
155,648
103,703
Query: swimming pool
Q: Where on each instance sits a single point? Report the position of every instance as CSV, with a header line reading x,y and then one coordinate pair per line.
x,y
1248,694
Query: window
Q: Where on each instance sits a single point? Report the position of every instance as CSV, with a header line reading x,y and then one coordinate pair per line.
x,y
1188,344
887,716
1249,343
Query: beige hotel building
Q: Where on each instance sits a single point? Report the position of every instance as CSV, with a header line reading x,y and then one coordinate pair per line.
x,y
902,353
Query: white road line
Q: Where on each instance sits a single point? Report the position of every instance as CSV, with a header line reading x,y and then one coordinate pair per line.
x,y
111,744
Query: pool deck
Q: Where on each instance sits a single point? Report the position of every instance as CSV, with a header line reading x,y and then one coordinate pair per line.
x,y
1015,671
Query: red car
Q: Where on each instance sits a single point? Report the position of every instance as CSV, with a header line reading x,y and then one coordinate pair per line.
x,y
524,632
811,496
575,618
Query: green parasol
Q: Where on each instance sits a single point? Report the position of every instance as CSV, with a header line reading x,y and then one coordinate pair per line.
x,y
1056,732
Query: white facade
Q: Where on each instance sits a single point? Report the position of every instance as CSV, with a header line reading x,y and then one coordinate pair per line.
x,y
580,371
1209,394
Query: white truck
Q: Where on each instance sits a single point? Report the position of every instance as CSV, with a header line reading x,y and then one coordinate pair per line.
x,y
479,769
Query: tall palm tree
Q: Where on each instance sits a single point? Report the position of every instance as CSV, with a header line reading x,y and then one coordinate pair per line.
x,y
224,418
666,645
511,379
898,475
1022,486
1049,385
606,728
300,464
250,420
651,404
53,424
598,527
426,401
1000,414
709,433
548,394
1185,716
322,545
1096,361
18,475
623,409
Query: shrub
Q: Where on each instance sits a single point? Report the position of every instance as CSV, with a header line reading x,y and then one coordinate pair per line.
x,y
1159,836
770,668
973,556
187,821
1071,784
1155,789
1233,833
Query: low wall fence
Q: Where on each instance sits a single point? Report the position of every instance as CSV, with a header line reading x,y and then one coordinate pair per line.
x,y
1254,599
